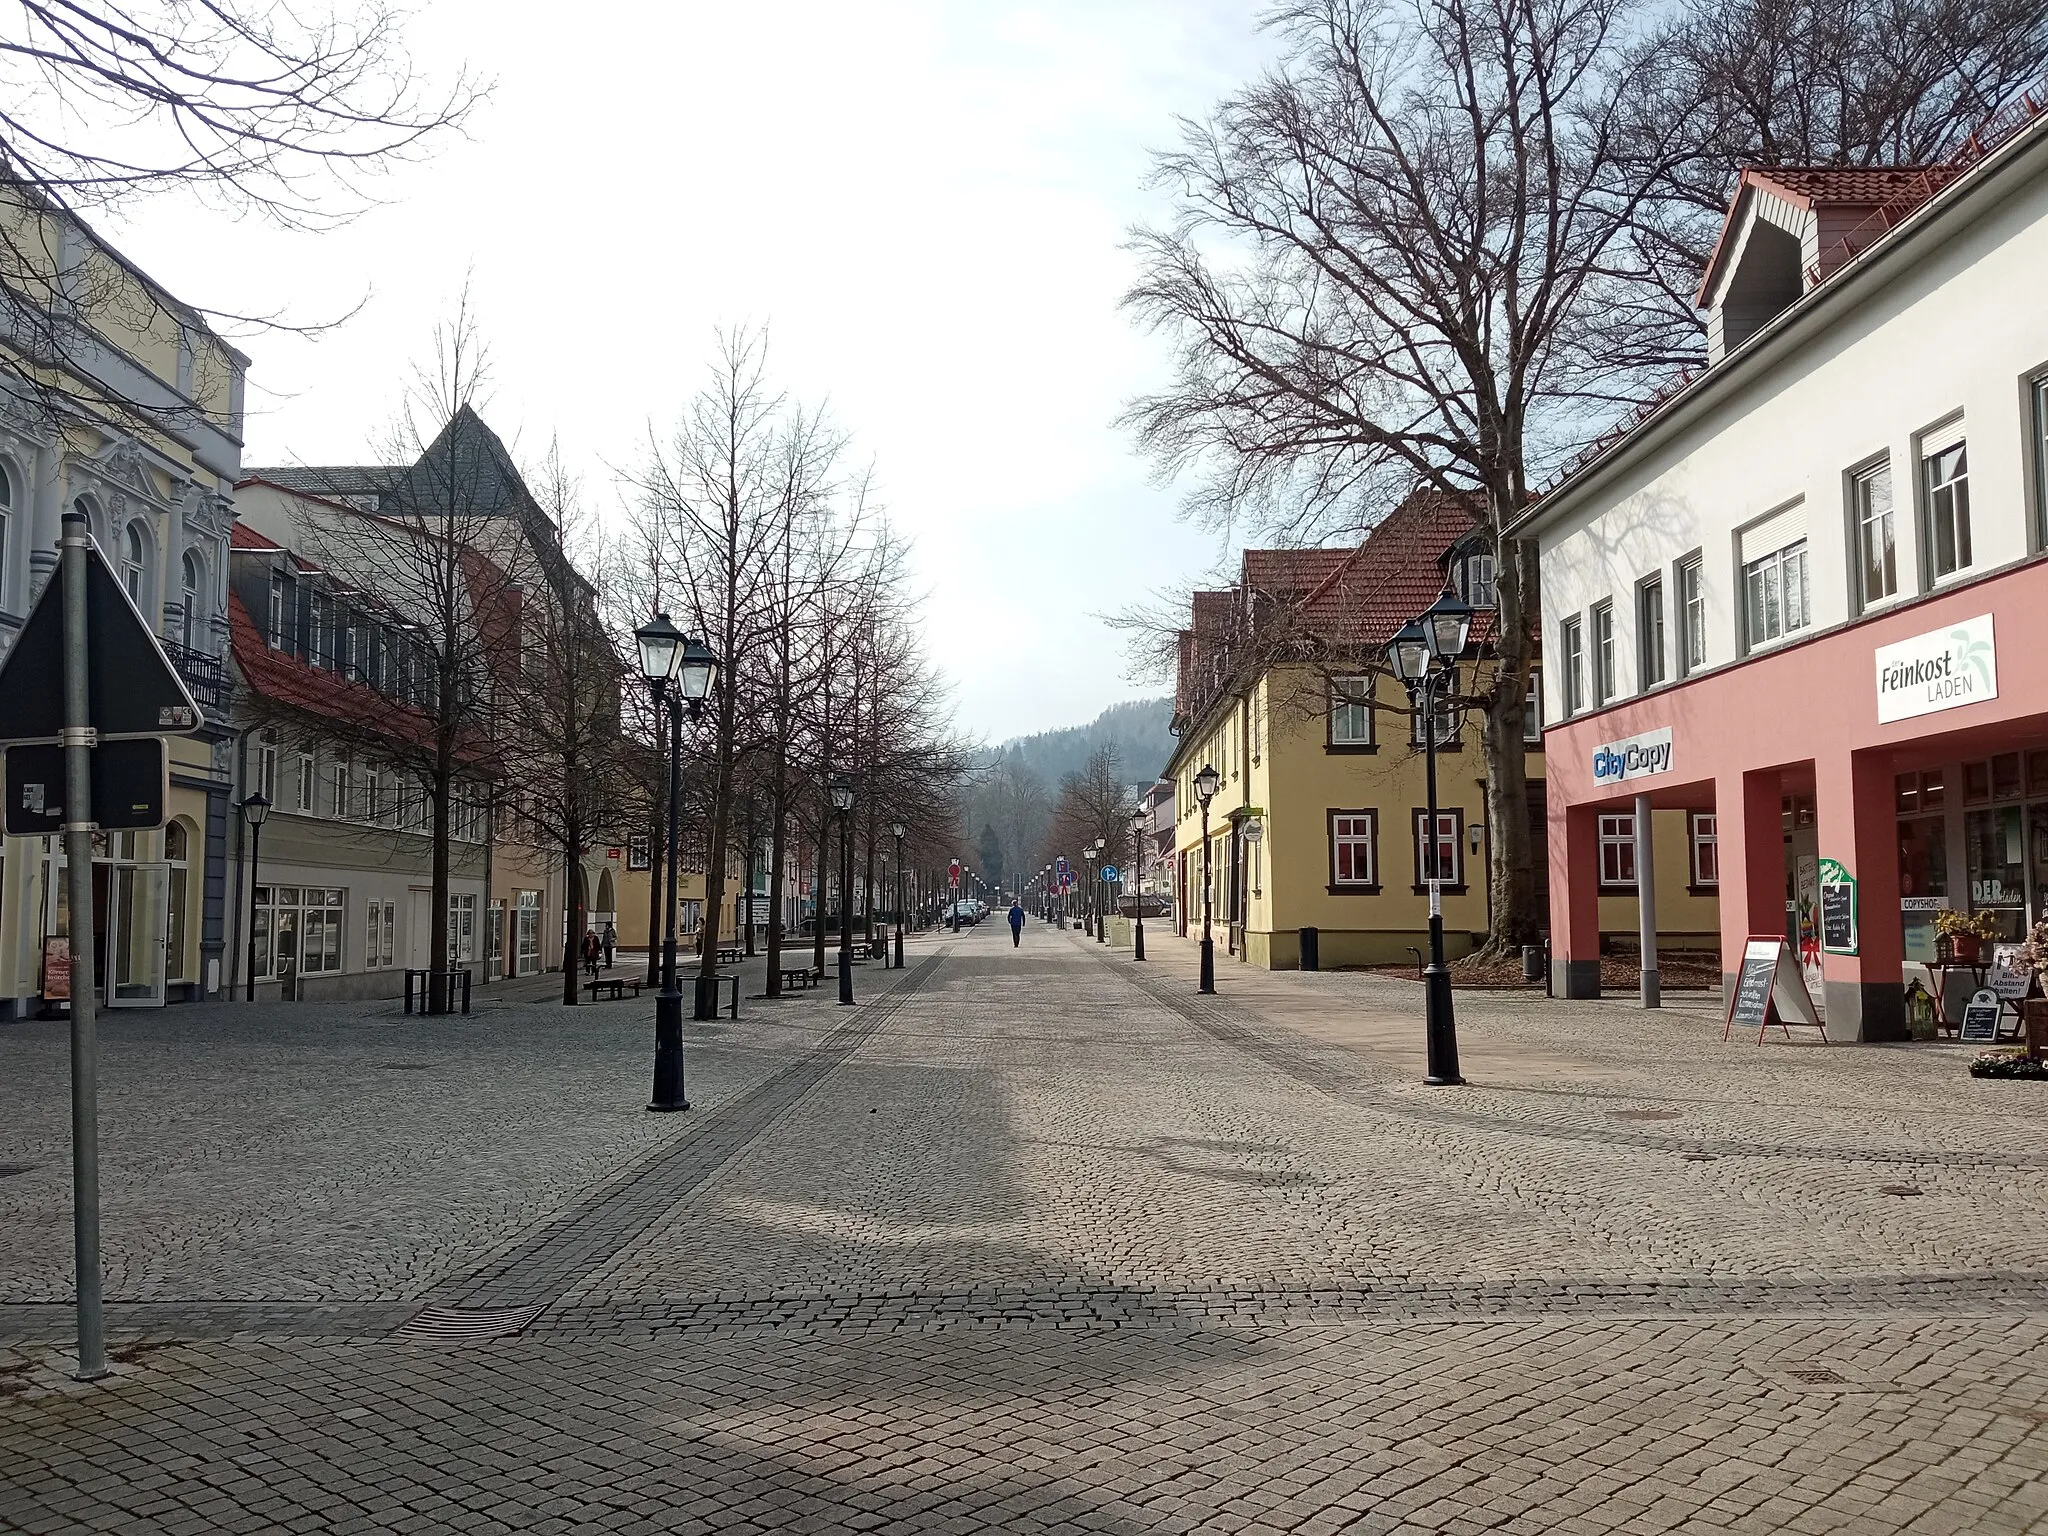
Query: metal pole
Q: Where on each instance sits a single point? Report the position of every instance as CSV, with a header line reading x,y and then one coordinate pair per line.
x,y
1646,904
846,909
1102,918
899,903
255,871
1208,945
670,1091
76,738
1138,912
1439,1028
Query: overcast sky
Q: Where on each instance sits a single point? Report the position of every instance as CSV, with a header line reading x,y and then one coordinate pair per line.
x,y
924,199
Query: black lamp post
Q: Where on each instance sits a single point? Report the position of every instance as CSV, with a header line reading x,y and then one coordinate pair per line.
x,y
896,831
1138,820
667,656
841,791
1088,901
1102,896
1205,791
1424,655
254,809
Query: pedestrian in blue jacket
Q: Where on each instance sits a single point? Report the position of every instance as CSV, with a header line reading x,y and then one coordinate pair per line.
x,y
1016,924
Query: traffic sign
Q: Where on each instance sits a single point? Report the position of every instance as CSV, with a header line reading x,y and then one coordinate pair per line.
x,y
132,690
131,787
1109,873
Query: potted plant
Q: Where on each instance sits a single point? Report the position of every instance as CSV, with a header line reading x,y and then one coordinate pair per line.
x,y
1966,932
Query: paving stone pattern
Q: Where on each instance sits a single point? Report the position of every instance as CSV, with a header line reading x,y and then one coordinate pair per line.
x,y
1033,1240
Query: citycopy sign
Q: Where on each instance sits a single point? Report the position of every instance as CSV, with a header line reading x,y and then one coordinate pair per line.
x,y
1945,668
1636,758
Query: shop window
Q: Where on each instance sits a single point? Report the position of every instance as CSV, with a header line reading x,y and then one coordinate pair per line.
x,y
1650,633
177,854
461,929
1704,832
298,929
1351,712
1774,594
1571,648
1976,783
1439,858
1946,475
2037,773
1354,860
1923,856
2005,776
1877,562
1994,841
526,933
1603,653
1618,851
1692,615
380,922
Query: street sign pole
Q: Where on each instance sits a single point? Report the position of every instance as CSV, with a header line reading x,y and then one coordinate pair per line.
x,y
76,739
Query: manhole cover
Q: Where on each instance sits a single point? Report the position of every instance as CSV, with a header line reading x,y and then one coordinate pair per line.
x,y
9,1170
1644,1114
466,1325
1900,1189
1818,1376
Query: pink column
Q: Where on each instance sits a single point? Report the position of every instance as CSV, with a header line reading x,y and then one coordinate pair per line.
x,y
1857,824
1574,900
1749,820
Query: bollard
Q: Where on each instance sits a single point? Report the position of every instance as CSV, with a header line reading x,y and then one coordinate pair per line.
x,y
408,990
1311,949
1532,962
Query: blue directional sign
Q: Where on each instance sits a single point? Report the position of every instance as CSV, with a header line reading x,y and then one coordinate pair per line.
x,y
1109,873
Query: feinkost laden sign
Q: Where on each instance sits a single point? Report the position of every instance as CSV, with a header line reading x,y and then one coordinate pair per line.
x,y
1943,669
1636,758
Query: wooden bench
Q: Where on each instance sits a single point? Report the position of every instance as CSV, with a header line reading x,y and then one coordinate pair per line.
x,y
798,976
615,985
730,954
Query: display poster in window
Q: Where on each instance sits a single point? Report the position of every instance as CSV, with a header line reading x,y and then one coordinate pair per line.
x,y
1771,989
1837,909
2010,976
57,969
1806,906
1917,915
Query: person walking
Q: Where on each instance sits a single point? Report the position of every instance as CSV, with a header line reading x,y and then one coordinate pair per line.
x,y
611,941
1016,924
592,953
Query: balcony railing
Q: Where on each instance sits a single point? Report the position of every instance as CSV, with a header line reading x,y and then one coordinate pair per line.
x,y
204,675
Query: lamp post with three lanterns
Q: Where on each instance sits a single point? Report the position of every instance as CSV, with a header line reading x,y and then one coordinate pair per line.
x,y
1206,783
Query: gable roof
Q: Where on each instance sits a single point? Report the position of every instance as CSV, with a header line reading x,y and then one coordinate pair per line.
x,y
1848,207
1392,576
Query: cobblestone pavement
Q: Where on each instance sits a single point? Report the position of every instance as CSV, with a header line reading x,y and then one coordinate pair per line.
x,y
1033,1240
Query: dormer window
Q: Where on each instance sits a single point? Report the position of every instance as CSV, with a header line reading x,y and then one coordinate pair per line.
x,y
1478,586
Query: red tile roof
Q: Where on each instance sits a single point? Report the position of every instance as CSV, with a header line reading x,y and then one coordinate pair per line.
x,y
1391,577
242,536
1291,570
1808,186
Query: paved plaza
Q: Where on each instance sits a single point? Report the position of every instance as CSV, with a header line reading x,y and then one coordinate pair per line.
x,y
1031,1240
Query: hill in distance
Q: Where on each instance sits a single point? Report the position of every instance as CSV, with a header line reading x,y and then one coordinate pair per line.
x,y
1137,728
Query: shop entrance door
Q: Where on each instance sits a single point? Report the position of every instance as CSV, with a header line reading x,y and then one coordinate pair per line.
x,y
137,924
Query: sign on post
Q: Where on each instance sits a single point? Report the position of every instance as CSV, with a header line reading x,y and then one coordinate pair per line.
x,y
1771,989
131,787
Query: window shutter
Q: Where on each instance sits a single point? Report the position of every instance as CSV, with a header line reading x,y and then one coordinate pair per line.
x,y
1776,532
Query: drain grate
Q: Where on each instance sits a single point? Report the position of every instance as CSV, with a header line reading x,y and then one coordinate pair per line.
x,y
1817,1376
466,1325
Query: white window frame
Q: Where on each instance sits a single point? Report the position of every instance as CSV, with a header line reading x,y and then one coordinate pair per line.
x,y
1482,580
1777,597
1864,514
1617,836
1651,671
1601,648
1948,499
1350,699
1689,587
1449,832
1354,830
1450,721
1703,832
266,768
1532,708
308,782
1571,648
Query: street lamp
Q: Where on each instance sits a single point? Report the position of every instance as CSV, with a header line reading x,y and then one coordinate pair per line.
x,y
840,789
1424,655
1088,916
1102,892
896,831
254,809
666,656
1205,791
1138,820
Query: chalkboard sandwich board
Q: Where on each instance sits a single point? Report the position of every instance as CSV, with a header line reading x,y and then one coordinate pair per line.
x,y
1980,1016
1771,989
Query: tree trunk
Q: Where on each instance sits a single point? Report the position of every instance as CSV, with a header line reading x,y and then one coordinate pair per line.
x,y
578,899
818,883
438,959
746,908
1511,875
778,849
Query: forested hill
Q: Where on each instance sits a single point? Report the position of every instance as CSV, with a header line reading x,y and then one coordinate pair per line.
x,y
1138,729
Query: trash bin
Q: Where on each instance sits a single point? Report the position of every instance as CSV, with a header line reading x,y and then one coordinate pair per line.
x,y
1532,962
1311,949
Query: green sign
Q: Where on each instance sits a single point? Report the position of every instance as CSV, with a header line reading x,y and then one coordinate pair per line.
x,y
1837,909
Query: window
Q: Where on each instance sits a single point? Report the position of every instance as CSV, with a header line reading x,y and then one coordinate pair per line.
x,y
1354,862
637,856
344,791
266,767
1774,590
1650,634
526,933
380,924
6,514
306,781
134,565
320,642
1692,615
1571,645
1481,588
298,930
1603,653
461,929
194,621
373,797
1877,555
178,855
1618,850
1438,858
1703,829
283,608
1532,708
2040,394
1450,719
1948,508
1351,712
